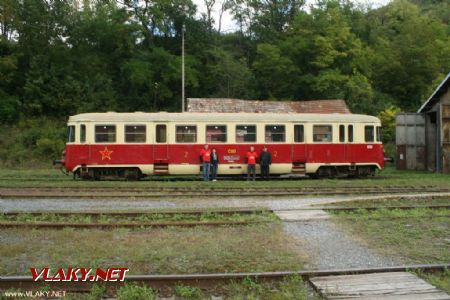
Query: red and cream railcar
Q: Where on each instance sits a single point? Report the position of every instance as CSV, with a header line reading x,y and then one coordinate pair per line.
x,y
139,144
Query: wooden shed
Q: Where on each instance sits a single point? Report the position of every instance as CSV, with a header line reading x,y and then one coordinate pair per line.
x,y
423,138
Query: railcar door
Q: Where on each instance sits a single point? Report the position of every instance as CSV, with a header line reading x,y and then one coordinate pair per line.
x,y
160,148
299,149
340,149
350,148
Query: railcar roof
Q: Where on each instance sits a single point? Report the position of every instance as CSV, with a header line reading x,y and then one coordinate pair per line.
x,y
220,117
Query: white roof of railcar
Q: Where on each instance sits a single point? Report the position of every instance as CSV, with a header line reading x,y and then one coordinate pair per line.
x,y
220,117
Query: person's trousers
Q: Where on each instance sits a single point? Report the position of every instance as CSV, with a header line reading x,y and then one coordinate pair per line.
x,y
214,171
265,171
251,170
206,167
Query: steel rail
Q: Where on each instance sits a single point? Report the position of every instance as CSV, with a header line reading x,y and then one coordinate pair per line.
x,y
218,189
370,208
124,225
147,195
202,280
243,211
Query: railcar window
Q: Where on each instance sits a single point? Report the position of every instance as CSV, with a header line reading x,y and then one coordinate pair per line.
x,y
135,133
186,134
216,133
71,134
322,133
161,133
378,133
341,133
299,133
350,133
368,134
275,133
245,133
82,133
105,133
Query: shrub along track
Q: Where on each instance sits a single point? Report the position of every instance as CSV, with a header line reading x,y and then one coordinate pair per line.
x,y
156,192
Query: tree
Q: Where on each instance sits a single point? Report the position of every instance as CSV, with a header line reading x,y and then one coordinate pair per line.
x,y
276,74
227,76
409,53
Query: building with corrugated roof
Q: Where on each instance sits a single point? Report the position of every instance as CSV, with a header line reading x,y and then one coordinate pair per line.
x,y
423,138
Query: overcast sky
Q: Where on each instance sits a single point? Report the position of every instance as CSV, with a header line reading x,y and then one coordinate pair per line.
x,y
229,25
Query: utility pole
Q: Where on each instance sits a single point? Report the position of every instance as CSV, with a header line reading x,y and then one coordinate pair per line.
x,y
182,67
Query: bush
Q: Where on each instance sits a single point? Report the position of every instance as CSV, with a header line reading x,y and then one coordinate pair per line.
x,y
135,292
31,143
188,292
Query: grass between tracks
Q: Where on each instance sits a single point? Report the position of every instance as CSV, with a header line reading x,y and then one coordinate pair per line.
x,y
252,248
400,201
259,216
411,236
54,178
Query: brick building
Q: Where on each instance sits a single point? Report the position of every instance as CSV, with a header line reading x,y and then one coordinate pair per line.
x,y
224,105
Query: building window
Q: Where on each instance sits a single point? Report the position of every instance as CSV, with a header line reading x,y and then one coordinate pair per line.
x,y
161,133
245,133
216,133
341,133
105,133
135,133
299,133
368,134
350,133
275,133
378,133
71,134
322,133
186,134
82,133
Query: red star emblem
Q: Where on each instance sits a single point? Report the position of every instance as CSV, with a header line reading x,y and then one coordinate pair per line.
x,y
106,154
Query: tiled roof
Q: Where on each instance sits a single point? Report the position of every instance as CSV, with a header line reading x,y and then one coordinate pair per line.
x,y
255,106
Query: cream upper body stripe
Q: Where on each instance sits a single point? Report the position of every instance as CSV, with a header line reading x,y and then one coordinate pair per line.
x,y
221,117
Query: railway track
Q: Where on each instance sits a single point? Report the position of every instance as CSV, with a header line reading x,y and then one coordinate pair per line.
x,y
125,225
204,281
155,192
117,223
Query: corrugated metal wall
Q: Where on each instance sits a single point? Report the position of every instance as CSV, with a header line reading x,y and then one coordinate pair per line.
x,y
446,138
410,141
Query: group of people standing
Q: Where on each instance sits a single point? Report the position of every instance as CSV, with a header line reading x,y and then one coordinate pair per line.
x,y
210,160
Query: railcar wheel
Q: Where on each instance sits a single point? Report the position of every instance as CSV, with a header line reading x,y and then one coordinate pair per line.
x,y
132,174
326,172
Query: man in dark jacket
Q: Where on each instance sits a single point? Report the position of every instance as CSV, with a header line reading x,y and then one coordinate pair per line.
x,y
265,160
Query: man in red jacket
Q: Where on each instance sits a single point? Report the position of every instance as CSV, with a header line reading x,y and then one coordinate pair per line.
x,y
205,156
252,156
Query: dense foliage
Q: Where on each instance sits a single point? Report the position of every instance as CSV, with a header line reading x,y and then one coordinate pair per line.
x,y
59,57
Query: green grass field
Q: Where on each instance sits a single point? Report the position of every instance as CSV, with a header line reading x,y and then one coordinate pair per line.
x,y
172,250
411,236
54,178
